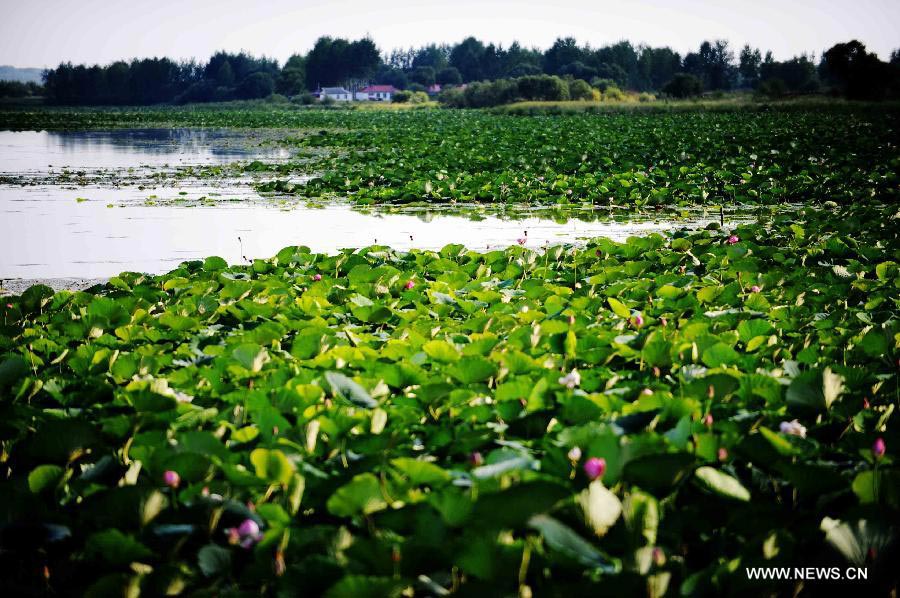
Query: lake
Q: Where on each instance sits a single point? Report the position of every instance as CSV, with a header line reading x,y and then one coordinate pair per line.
x,y
51,228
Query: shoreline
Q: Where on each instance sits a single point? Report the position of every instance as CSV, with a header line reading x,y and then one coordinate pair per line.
x,y
17,286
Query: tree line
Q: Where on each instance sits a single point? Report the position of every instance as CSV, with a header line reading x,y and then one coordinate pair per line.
x,y
847,69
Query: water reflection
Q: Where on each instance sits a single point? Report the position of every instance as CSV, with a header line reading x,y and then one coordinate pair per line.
x,y
45,232
103,228
29,152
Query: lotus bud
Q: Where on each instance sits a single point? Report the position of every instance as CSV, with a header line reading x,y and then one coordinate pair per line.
x,y
574,454
171,479
594,468
879,448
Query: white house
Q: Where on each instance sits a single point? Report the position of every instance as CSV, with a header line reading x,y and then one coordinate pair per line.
x,y
376,93
338,94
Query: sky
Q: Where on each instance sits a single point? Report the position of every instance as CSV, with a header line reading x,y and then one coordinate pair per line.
x,y
42,33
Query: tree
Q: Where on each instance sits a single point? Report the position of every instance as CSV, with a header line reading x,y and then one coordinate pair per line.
x,y
449,76
856,73
292,79
564,51
613,72
338,61
256,85
713,64
656,67
683,85
432,55
748,66
466,58
519,61
363,58
580,90
791,76
578,70
388,75
423,75
619,62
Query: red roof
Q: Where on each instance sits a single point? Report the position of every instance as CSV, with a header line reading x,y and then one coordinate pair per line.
x,y
379,89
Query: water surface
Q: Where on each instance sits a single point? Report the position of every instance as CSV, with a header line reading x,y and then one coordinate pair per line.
x,y
32,152
101,229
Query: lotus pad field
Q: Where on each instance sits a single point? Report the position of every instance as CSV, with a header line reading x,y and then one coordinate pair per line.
x,y
641,418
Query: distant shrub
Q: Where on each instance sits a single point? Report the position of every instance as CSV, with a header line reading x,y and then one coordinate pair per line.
x,y
490,93
452,97
410,97
484,94
773,88
579,89
683,85
17,89
602,84
614,94
327,101
543,87
277,98
646,97
304,99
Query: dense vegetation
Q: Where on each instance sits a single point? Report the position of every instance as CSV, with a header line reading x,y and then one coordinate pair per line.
x,y
648,417
621,159
845,69
19,89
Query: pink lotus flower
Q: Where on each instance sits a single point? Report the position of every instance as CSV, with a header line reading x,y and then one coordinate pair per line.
x,y
722,454
879,448
476,459
637,320
409,284
9,305
246,534
521,241
317,277
732,239
594,468
708,420
755,289
663,322
574,454
171,479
